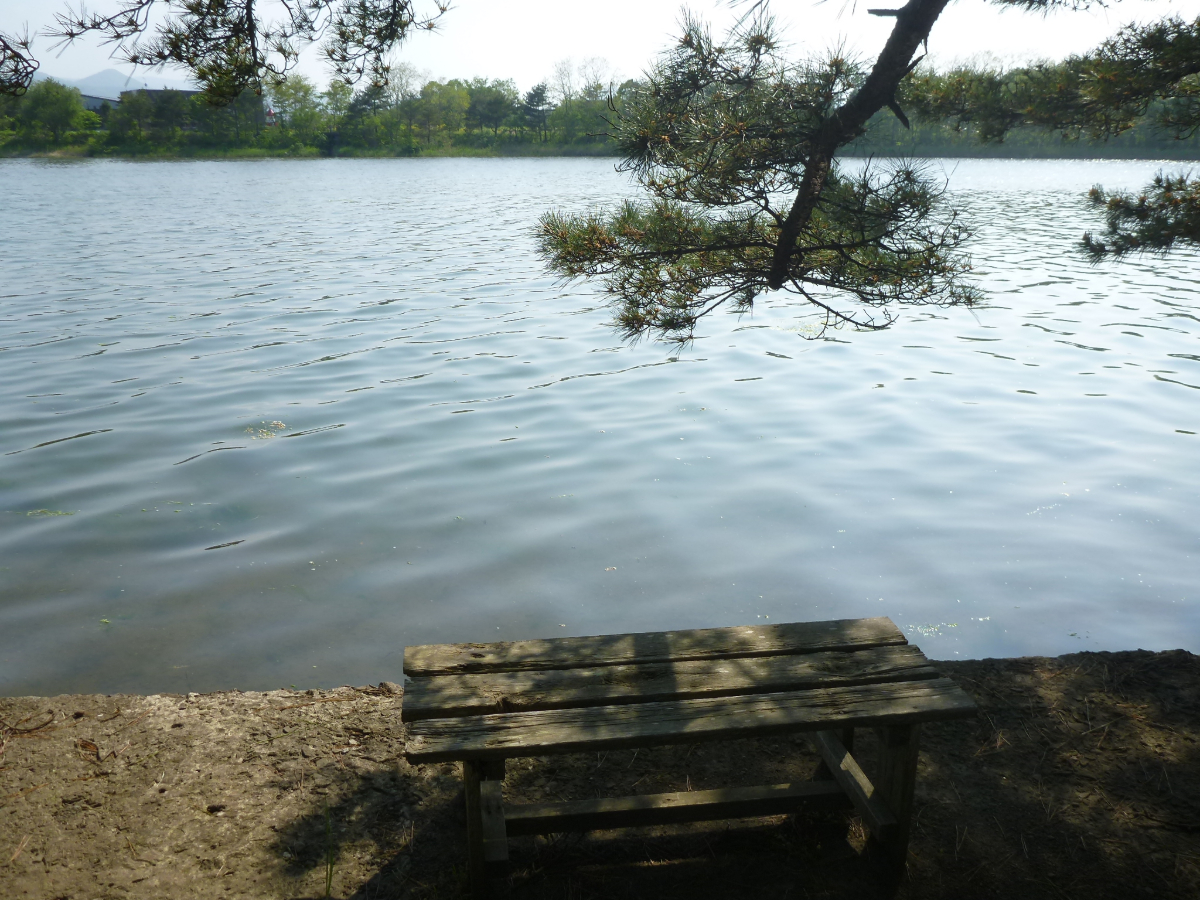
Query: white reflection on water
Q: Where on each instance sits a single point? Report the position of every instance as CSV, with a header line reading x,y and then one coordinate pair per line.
x,y
304,413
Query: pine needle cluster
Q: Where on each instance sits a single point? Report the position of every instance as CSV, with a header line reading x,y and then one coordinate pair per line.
x,y
1154,220
231,46
17,65
722,136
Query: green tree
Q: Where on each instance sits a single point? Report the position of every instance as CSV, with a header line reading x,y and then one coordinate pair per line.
x,y
404,90
172,114
337,98
130,121
491,103
297,107
362,125
535,106
8,112
443,107
52,106
735,147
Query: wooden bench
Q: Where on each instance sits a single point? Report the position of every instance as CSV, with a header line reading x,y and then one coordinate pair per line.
x,y
480,704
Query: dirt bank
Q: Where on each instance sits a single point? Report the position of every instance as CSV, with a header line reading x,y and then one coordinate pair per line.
x,y
1079,778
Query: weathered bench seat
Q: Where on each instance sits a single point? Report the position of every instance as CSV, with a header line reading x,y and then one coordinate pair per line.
x,y
484,703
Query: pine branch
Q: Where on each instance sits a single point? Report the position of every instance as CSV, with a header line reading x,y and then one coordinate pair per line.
x,y
735,149
229,46
1165,214
17,65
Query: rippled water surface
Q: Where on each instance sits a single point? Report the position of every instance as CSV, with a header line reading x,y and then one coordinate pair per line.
x,y
266,423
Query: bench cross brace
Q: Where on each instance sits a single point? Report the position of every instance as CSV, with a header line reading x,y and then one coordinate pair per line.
x,y
839,783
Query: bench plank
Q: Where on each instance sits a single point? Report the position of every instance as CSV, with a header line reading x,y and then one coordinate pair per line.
x,y
651,647
505,735
463,695
671,809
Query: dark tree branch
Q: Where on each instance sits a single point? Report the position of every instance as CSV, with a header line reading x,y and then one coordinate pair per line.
x,y
231,45
17,65
735,147
913,24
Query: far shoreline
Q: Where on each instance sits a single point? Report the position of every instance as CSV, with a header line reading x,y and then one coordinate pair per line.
x,y
241,154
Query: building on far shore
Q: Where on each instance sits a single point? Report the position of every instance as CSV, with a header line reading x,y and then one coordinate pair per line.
x,y
93,103
156,93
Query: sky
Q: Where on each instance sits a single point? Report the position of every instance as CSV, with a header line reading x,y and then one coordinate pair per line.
x,y
524,39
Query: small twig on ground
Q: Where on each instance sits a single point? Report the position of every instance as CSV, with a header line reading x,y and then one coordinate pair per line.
x,y
329,854
975,871
30,790
132,722
313,702
20,848
113,754
17,730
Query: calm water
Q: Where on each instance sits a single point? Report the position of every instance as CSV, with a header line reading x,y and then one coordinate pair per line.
x,y
265,423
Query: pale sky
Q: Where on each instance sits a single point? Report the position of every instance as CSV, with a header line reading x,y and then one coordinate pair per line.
x,y
523,39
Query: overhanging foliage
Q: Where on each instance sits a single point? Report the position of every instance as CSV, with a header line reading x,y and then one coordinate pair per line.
x,y
17,66
1144,70
230,46
735,146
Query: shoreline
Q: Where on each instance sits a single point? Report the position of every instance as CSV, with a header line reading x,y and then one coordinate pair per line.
x,y
81,153
1077,778
243,153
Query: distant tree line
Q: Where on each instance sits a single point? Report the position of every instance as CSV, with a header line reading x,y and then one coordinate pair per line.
x,y
886,136
570,113
411,115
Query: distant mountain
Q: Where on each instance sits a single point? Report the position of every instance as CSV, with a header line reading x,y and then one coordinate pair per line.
x,y
111,82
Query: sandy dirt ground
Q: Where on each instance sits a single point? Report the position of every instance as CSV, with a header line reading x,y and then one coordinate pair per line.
x,y
1079,778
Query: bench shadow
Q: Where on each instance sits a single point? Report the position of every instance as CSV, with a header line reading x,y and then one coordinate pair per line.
x,y
410,823
1077,779
771,856
386,831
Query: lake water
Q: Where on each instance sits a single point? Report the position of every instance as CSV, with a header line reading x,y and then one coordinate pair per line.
x,y
266,423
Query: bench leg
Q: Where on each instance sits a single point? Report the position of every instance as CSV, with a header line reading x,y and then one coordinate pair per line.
x,y
487,840
896,780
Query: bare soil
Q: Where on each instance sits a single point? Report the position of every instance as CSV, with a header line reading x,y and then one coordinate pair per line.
x,y
1080,777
